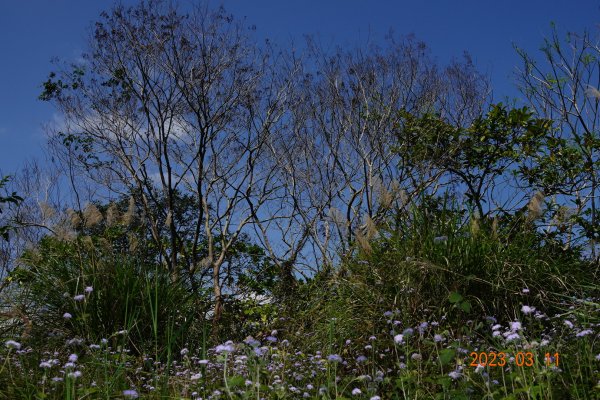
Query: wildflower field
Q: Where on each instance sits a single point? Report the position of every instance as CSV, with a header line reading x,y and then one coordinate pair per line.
x,y
406,320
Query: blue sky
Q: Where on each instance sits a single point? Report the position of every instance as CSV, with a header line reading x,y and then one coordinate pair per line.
x,y
32,32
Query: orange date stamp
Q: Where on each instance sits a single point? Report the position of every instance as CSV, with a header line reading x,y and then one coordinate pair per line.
x,y
520,359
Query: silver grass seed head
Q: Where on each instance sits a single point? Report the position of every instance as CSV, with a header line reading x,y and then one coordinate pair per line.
x,y
112,215
92,216
131,214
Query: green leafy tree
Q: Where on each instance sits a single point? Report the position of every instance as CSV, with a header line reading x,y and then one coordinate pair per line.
x,y
475,157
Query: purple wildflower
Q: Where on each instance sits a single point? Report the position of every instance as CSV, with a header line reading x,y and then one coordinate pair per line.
x,y
250,341
195,377
67,315
399,339
11,344
440,239
527,309
512,336
79,297
74,374
335,358
227,347
584,333
568,323
131,393
88,289
356,392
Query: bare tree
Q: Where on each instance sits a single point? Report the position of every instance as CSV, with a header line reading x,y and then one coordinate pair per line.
x,y
165,104
341,151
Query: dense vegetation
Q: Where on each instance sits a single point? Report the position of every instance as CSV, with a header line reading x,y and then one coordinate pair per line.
x,y
244,222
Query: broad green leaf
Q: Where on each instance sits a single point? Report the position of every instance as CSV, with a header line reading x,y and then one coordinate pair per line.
x,y
455,297
465,306
235,381
447,355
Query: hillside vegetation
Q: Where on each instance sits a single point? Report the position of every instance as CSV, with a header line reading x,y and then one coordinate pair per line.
x,y
248,222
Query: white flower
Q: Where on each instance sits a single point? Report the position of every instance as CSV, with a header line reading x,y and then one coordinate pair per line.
x,y
455,375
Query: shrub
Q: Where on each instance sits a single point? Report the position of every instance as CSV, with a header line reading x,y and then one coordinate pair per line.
x,y
80,289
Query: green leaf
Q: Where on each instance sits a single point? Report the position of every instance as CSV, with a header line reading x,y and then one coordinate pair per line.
x,y
447,355
455,297
465,306
235,381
